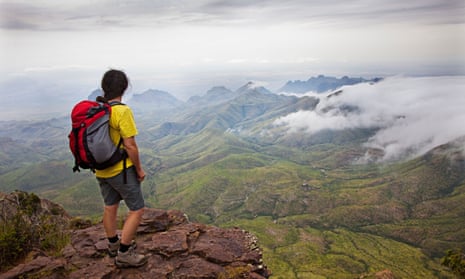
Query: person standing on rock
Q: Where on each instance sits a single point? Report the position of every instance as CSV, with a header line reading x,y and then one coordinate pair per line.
x,y
122,181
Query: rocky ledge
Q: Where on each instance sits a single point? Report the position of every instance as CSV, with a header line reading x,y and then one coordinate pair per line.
x,y
176,247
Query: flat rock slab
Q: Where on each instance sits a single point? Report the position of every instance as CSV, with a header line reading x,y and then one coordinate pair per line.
x,y
176,249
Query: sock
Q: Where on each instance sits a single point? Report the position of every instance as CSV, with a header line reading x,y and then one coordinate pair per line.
x,y
123,247
113,239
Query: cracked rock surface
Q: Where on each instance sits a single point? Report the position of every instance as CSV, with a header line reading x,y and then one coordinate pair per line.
x,y
176,248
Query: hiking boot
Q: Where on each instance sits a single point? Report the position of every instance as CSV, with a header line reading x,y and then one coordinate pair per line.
x,y
130,258
114,247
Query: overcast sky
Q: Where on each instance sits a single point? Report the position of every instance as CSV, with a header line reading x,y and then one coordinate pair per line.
x,y
185,47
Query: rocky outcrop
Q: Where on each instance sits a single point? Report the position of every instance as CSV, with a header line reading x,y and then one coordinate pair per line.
x,y
176,247
30,207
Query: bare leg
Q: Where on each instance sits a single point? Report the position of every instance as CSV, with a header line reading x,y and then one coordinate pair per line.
x,y
130,226
109,219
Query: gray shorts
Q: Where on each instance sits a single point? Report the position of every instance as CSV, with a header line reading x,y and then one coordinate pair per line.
x,y
114,190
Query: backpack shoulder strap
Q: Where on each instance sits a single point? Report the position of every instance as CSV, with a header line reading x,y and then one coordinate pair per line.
x,y
115,103
125,154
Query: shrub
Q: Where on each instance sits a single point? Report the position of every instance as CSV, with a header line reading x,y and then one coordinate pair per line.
x,y
16,238
28,230
29,203
455,260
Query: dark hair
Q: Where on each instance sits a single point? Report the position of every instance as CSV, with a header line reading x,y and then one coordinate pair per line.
x,y
114,83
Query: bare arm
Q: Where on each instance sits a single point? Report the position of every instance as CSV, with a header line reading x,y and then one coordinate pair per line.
x,y
133,153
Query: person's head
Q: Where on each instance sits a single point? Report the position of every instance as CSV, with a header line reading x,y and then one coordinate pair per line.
x,y
114,83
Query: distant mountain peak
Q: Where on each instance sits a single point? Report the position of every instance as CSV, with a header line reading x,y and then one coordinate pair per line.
x,y
252,86
322,83
153,98
154,94
255,84
216,95
218,90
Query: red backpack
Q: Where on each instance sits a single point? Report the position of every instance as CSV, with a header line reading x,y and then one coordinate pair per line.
x,y
89,139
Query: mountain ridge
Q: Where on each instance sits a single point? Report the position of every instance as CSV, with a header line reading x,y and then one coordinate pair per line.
x,y
322,84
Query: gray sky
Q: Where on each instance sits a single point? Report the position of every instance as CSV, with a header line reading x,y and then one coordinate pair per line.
x,y
185,47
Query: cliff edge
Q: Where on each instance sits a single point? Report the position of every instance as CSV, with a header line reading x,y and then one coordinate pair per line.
x,y
176,247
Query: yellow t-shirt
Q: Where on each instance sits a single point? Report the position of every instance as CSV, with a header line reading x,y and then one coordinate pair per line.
x,y
122,125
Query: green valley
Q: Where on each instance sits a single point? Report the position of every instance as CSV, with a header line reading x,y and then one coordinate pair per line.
x,y
318,210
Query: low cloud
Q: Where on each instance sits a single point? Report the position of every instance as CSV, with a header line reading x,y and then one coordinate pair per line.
x,y
413,115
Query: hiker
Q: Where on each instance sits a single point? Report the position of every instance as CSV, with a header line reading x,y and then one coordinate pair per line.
x,y
121,181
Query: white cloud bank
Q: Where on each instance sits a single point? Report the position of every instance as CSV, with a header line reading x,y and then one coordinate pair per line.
x,y
413,114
